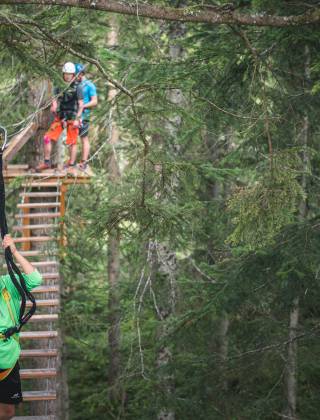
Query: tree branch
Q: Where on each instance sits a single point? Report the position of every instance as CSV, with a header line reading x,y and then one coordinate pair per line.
x,y
186,14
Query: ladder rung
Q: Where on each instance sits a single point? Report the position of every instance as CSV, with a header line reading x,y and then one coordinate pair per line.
x,y
34,239
34,335
44,303
38,184
37,373
44,318
38,264
37,205
39,353
36,215
50,275
44,263
34,253
39,395
18,166
33,227
34,418
46,289
40,194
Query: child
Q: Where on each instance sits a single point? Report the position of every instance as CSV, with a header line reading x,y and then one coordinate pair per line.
x,y
68,109
10,384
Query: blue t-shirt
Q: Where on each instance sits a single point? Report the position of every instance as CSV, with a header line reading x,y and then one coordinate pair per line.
x,y
89,90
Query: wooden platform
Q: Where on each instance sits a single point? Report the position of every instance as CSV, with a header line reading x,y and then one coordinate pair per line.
x,y
79,177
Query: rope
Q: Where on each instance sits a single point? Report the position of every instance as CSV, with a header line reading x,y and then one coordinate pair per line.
x,y
13,270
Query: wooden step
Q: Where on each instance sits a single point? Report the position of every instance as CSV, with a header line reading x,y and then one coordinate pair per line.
x,y
38,353
49,215
33,239
17,166
34,418
39,184
50,276
46,289
38,205
45,263
34,227
44,303
39,395
45,194
37,373
35,253
44,318
37,335
39,264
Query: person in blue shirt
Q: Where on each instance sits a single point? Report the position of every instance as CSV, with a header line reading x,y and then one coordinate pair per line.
x,y
90,100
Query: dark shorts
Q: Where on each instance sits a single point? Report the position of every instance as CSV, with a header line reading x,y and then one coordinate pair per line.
x,y
10,387
84,129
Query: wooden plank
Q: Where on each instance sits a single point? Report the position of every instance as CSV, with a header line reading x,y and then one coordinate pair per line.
x,y
17,166
39,395
33,239
44,303
47,353
34,227
37,205
49,215
34,418
41,184
40,194
35,335
44,318
36,253
37,373
19,141
50,275
46,289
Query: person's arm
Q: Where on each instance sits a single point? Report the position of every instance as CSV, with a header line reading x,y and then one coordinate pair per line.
x,y
76,122
31,275
54,106
27,268
92,103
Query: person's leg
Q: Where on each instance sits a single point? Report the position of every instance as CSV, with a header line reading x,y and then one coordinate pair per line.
x,y
51,135
85,148
73,154
7,411
47,148
84,131
72,135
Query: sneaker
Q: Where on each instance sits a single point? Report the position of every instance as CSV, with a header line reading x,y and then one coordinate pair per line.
x,y
66,165
83,166
43,166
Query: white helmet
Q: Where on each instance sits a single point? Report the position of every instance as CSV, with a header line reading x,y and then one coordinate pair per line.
x,y
69,68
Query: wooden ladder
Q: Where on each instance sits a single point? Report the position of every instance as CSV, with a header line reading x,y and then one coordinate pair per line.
x,y
37,233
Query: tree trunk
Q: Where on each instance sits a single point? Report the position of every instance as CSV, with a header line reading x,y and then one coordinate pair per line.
x,y
292,355
113,253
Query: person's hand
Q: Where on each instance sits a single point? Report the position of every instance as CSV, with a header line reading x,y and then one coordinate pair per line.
x,y
8,242
76,123
53,109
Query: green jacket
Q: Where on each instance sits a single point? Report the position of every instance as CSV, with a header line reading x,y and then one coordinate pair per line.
x,y
10,349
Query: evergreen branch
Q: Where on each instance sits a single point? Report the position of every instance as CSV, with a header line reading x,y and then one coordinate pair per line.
x,y
197,14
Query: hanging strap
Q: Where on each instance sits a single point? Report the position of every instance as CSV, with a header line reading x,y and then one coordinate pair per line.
x,y
13,270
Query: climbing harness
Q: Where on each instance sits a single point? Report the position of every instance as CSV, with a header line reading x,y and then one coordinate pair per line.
x,y
13,270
